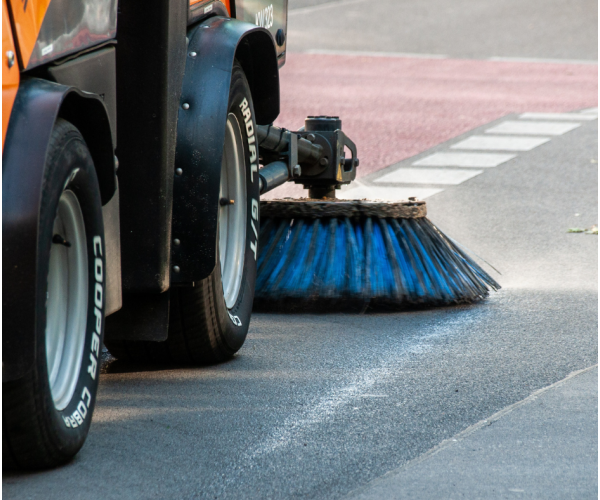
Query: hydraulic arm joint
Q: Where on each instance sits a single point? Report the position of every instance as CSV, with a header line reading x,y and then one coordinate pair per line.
x,y
314,156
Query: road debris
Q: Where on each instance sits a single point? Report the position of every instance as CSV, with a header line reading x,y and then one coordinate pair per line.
x,y
590,230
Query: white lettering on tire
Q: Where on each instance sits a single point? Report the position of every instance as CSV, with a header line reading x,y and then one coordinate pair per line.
x,y
254,244
70,179
247,112
235,319
99,303
78,416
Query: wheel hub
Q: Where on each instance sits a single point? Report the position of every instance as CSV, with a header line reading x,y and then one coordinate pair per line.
x,y
66,300
232,212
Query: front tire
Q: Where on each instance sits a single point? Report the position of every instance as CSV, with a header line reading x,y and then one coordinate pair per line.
x,y
47,413
208,323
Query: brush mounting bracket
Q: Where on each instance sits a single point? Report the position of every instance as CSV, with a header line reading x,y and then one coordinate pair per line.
x,y
315,155
333,168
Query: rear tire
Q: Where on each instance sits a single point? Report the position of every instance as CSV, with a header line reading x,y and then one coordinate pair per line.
x,y
47,413
209,322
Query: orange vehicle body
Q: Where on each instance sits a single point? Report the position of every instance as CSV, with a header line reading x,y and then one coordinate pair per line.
x,y
226,2
10,73
27,18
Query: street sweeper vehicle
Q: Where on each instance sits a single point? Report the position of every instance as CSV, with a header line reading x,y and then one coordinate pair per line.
x,y
137,138
130,195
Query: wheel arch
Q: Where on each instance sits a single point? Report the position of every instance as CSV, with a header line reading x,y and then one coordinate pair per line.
x,y
91,118
37,106
217,43
262,72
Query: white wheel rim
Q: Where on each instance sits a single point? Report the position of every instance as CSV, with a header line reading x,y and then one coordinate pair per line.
x,y
232,217
66,301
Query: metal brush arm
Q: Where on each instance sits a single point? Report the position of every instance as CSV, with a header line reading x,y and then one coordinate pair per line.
x,y
293,151
278,140
273,175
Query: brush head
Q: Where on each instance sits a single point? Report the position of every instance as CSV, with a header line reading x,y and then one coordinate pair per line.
x,y
342,254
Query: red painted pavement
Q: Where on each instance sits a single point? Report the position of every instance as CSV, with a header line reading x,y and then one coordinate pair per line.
x,y
395,108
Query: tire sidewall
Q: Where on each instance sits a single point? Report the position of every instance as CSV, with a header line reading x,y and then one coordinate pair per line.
x,y
235,321
69,166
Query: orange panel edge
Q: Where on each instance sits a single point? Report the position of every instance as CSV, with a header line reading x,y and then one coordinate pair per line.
x,y
227,4
10,71
27,18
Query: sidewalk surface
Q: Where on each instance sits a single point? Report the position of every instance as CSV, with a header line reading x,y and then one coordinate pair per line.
x,y
542,447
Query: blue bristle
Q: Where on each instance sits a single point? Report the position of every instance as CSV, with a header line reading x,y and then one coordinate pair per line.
x,y
385,265
406,283
414,267
285,275
306,274
354,264
396,262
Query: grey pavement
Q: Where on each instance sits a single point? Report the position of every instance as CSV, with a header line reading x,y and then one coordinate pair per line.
x,y
316,406
539,448
547,29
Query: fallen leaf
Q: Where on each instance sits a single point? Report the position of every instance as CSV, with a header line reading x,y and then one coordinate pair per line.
x,y
589,230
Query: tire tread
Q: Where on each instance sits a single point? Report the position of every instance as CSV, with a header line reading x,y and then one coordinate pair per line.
x,y
193,332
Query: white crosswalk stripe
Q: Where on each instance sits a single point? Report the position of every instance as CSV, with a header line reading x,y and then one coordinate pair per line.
x,y
532,127
447,176
500,143
558,116
464,159
543,60
422,181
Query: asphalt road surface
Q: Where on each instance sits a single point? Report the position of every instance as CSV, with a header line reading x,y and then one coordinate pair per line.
x,y
315,406
542,447
318,406
548,29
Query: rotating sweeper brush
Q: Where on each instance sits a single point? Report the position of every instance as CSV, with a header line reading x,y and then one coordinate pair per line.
x,y
319,252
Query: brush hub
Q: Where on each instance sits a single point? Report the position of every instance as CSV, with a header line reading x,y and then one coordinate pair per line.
x,y
309,208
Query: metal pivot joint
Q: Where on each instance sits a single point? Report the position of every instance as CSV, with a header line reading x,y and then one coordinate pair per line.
x,y
282,147
314,156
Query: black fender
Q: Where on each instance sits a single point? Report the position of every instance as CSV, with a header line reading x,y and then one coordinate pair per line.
x,y
37,105
214,46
